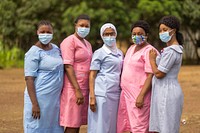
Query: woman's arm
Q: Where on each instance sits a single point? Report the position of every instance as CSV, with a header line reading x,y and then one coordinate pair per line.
x,y
152,58
93,74
146,87
32,94
72,78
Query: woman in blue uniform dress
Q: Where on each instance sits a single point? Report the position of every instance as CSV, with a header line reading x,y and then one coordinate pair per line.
x,y
104,83
167,95
44,80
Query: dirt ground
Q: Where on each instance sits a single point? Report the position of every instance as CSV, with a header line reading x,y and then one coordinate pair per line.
x,y
11,100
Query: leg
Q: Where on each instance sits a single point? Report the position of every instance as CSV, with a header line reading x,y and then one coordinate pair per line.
x,y
71,130
77,130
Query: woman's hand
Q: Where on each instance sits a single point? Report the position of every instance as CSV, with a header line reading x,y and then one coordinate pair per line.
x,y
36,111
31,91
152,55
139,101
93,104
79,97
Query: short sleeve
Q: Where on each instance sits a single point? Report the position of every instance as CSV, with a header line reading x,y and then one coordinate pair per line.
x,y
96,61
67,48
147,65
31,62
167,60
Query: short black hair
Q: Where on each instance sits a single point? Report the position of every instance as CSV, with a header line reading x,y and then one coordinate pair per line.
x,y
82,16
142,24
170,21
44,22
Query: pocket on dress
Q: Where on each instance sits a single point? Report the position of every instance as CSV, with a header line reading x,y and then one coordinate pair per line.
x,y
100,86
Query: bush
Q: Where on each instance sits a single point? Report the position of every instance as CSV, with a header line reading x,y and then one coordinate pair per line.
x,y
10,58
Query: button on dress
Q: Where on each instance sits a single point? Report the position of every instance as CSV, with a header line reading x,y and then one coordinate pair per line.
x,y
47,68
75,53
107,90
135,68
167,96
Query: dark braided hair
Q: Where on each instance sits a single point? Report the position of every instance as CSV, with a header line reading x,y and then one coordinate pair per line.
x,y
142,24
82,16
174,23
44,22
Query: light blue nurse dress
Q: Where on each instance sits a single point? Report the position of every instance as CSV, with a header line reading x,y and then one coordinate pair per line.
x,y
107,91
47,68
167,95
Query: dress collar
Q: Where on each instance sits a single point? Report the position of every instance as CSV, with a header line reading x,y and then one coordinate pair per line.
x,y
108,51
177,48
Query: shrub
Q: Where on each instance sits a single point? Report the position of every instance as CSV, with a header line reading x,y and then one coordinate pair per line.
x,y
11,57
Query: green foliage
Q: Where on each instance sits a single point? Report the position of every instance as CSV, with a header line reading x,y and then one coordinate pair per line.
x,y
11,57
18,18
7,18
157,9
191,14
122,13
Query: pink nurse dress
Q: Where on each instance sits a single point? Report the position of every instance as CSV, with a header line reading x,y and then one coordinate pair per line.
x,y
135,68
79,55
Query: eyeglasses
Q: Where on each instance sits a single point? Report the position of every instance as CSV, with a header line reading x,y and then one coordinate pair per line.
x,y
109,34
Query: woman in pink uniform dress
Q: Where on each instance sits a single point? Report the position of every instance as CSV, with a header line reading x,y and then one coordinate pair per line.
x,y
134,106
76,53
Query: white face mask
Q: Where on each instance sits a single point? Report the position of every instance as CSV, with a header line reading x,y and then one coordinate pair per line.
x,y
45,38
109,40
83,32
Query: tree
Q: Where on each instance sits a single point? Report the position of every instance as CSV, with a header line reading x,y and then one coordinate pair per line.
x,y
19,18
7,21
191,17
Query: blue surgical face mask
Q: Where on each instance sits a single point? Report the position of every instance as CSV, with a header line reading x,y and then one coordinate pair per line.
x,y
109,40
83,32
165,37
45,38
138,40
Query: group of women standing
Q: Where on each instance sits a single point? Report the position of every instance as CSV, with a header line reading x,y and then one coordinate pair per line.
x,y
71,86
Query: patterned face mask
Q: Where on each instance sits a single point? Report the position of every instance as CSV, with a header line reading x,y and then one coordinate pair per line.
x,y
138,40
